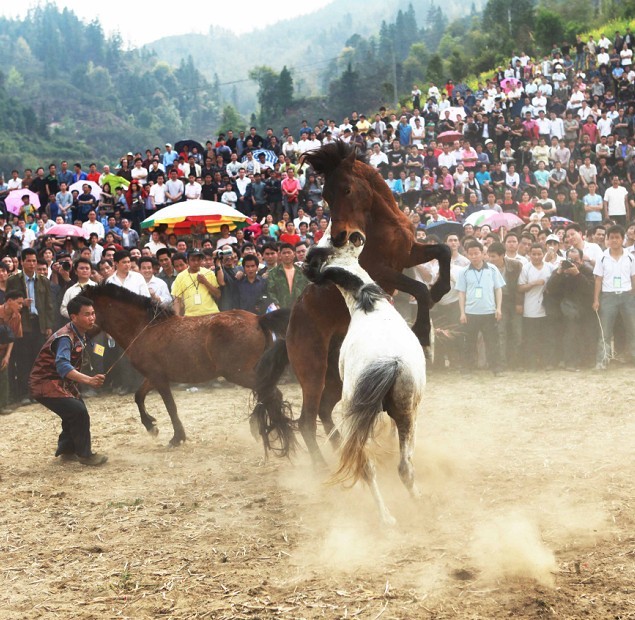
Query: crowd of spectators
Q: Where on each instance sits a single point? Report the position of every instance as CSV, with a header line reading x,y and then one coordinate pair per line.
x,y
549,140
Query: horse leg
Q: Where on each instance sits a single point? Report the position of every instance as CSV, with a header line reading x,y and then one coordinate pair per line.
x,y
370,479
331,395
405,420
420,253
168,400
391,278
307,422
140,398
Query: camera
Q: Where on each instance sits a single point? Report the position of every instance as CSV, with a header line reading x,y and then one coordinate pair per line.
x,y
224,251
567,264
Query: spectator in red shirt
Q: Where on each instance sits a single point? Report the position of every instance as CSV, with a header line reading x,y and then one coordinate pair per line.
x,y
590,129
290,191
93,175
525,207
289,235
530,128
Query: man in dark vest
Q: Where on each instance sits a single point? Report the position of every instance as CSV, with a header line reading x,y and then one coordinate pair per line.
x,y
54,378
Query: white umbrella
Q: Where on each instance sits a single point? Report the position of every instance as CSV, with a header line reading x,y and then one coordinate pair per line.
x,y
476,219
95,190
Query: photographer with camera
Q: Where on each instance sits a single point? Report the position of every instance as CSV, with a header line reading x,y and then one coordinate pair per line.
x,y
228,275
570,291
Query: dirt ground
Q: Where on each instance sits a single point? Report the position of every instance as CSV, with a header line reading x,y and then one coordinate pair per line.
x,y
527,511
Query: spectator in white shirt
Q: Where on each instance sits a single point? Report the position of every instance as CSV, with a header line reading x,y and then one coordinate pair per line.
x,y
83,269
158,288
155,244
15,182
138,172
174,188
616,206
92,225
192,189
158,193
125,277
613,295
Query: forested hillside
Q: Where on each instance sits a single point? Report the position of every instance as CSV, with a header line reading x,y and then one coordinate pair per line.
x,y
308,44
67,88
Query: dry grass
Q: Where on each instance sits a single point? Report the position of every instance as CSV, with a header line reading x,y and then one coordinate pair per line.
x,y
527,511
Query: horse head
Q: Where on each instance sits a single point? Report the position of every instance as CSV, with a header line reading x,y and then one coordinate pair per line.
x,y
346,190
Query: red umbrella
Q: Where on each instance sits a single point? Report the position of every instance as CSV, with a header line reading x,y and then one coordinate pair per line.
x,y
66,230
449,136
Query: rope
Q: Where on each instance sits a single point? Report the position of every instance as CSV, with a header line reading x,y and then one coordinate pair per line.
x,y
608,355
157,310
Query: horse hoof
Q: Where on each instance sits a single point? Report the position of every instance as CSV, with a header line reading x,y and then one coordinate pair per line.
x,y
153,430
388,520
175,443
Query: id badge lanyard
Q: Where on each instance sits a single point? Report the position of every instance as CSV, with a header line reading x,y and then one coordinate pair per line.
x,y
197,296
478,291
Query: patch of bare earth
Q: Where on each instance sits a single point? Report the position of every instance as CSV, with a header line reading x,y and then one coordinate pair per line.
x,y
527,511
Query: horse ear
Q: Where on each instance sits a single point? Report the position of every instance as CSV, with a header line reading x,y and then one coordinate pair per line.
x,y
351,158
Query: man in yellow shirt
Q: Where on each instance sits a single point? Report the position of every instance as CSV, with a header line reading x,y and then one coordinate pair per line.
x,y
195,289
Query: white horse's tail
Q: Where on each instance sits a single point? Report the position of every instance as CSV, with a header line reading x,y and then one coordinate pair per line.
x,y
365,405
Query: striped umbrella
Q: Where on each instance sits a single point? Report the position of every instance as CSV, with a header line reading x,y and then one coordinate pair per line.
x,y
183,218
270,156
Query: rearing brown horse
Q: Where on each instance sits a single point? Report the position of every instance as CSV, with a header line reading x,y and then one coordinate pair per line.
x,y
360,203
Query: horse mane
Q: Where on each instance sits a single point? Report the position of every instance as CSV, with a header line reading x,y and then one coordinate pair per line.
x,y
366,295
329,157
155,310
369,295
315,258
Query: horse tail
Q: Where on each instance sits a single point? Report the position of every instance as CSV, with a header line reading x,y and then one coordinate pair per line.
x,y
275,322
272,417
365,406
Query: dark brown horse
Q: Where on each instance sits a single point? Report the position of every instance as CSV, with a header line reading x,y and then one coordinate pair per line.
x,y
167,348
360,203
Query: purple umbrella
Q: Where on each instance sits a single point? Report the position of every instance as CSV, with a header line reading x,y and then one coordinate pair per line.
x,y
508,83
14,200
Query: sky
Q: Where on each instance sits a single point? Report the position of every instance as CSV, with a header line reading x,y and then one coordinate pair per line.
x,y
143,22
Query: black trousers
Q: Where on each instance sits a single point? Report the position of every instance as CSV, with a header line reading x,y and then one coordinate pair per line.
x,y
75,435
487,325
26,350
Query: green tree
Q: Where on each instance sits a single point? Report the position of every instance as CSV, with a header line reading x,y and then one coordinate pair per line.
x,y
414,65
230,119
549,28
510,23
268,96
344,92
435,69
285,90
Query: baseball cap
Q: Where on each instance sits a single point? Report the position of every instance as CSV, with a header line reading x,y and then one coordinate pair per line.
x,y
554,238
168,144
195,252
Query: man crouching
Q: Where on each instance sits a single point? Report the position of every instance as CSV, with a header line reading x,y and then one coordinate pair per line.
x,y
54,379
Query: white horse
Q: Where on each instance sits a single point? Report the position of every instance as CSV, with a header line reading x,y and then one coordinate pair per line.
x,y
381,364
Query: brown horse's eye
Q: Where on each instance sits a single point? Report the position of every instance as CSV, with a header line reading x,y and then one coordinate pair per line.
x,y
348,191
